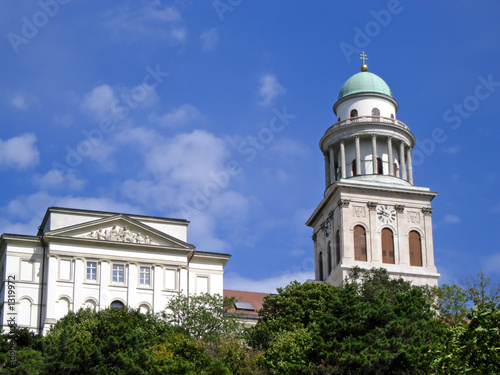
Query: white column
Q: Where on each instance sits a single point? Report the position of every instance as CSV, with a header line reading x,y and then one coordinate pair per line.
x,y
132,285
104,279
389,156
78,278
157,289
332,165
50,305
402,164
342,158
358,155
410,167
374,153
327,171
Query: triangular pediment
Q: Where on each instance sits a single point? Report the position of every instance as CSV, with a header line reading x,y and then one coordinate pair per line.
x,y
121,229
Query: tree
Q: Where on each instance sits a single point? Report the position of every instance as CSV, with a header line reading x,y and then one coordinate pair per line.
x,y
370,324
452,303
204,316
481,290
21,352
472,348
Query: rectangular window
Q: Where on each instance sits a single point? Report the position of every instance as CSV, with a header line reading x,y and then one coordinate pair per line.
x,y
91,270
144,277
118,273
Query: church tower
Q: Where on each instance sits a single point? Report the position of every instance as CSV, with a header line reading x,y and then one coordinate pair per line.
x,y
371,214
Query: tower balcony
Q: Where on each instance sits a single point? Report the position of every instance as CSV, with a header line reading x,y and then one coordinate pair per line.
x,y
369,119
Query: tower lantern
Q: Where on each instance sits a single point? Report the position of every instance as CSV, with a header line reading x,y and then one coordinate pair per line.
x,y
371,214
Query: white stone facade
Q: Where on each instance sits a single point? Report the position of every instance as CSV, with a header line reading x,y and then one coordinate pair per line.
x,y
95,259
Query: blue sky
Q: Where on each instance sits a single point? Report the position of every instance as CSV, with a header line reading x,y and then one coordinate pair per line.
x,y
212,111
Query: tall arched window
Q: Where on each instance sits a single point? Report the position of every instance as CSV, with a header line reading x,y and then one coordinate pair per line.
x,y
24,317
415,249
359,243
337,248
380,170
387,246
354,113
375,112
320,266
329,259
354,167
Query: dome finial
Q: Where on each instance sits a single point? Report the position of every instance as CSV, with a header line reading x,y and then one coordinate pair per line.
x,y
363,57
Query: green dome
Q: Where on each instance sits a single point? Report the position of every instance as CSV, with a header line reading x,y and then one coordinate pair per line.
x,y
364,82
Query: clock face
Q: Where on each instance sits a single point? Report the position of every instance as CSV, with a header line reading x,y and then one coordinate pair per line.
x,y
386,214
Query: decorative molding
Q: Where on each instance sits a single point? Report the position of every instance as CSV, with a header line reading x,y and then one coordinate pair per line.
x,y
119,234
314,236
344,203
359,211
427,211
413,217
399,208
371,205
330,214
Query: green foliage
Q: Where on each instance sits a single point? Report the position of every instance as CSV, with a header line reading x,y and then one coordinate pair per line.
x,y
472,348
371,324
110,341
20,353
204,316
480,290
452,304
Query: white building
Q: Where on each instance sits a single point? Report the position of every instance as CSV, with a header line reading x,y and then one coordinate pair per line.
x,y
371,214
83,258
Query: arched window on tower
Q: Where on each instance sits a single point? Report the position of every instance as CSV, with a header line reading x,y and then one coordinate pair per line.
x,y
338,119
415,249
337,248
320,266
354,167
387,246
375,112
359,243
380,170
329,259
354,113
392,115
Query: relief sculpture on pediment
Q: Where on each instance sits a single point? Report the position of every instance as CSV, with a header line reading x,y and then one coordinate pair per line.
x,y
120,234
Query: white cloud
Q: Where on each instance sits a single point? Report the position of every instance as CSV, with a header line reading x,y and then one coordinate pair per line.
x,y
269,89
99,101
24,101
65,120
19,152
188,157
153,20
55,179
236,282
452,150
451,219
35,205
179,116
209,39
287,150
492,264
